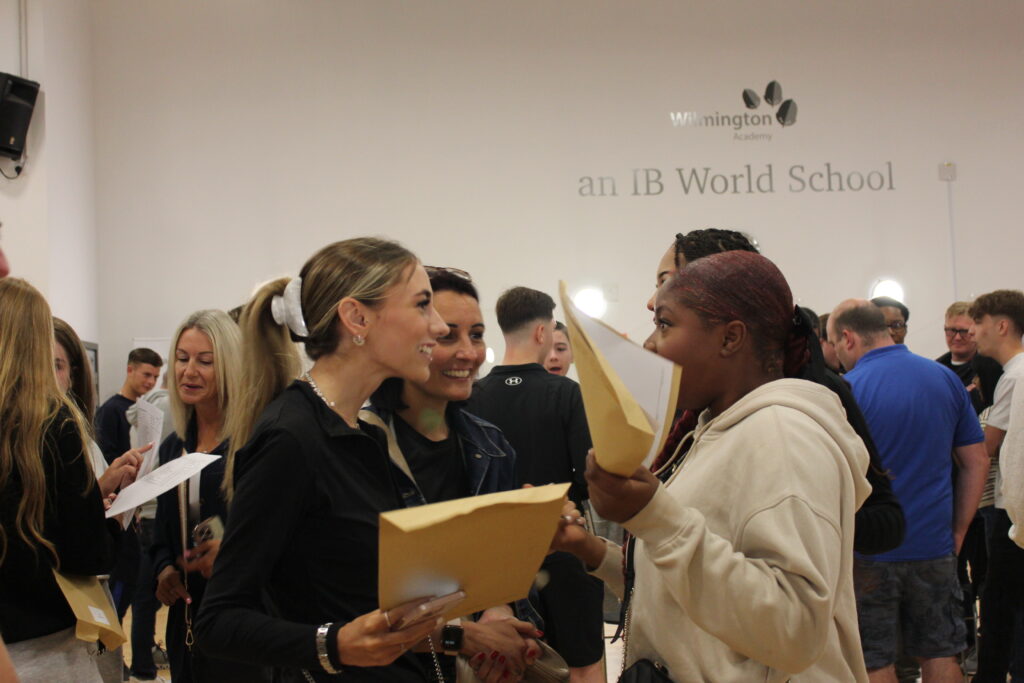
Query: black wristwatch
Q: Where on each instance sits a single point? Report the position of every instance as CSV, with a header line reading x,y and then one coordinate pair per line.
x,y
451,640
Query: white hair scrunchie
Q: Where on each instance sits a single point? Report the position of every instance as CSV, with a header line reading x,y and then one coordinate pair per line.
x,y
287,309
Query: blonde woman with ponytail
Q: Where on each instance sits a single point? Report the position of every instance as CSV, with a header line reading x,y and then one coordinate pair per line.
x,y
203,378
51,511
312,479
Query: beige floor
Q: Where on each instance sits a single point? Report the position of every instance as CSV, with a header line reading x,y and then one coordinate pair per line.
x,y
612,654
161,627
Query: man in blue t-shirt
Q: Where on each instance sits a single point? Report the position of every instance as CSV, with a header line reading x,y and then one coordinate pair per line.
x,y
919,414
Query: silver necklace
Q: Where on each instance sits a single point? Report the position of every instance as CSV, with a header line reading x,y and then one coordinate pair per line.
x,y
316,390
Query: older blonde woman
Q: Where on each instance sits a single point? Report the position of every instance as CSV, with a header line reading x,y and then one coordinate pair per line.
x,y
204,375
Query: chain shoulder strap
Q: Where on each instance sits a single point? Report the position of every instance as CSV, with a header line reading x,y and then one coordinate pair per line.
x,y
190,638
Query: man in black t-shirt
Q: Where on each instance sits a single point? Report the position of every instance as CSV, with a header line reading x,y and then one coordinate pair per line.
x,y
113,437
112,428
542,416
978,373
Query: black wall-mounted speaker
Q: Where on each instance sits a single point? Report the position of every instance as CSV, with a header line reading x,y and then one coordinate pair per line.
x,y
17,100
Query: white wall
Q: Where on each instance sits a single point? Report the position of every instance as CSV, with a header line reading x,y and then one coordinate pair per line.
x,y
25,233
71,211
49,231
233,139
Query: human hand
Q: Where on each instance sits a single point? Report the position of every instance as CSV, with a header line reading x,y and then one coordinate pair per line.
x,y
502,612
108,502
169,588
616,498
368,640
499,649
123,470
200,559
571,532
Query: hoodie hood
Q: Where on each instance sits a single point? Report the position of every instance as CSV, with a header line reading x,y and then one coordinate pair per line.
x,y
813,400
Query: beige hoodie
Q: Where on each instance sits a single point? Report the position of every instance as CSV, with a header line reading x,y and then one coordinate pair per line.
x,y
745,558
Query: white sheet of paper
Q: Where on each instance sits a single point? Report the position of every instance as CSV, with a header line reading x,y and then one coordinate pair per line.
x,y
161,479
149,426
98,615
646,375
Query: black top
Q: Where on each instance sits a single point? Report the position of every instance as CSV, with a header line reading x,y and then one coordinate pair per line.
x,y
981,371
309,490
113,433
31,604
879,524
542,417
437,466
166,548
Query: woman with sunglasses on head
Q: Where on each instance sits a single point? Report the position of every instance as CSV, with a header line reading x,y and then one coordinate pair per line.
x,y
51,510
204,379
441,452
742,551
312,479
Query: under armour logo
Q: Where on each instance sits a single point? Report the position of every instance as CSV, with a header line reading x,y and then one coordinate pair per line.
x,y
514,381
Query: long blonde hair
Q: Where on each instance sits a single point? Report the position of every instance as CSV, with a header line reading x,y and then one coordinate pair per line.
x,y
30,401
364,268
226,339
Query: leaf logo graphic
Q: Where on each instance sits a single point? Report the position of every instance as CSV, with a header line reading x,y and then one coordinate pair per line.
x,y
786,112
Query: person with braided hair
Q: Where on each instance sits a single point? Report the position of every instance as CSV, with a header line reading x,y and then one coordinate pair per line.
x,y
743,558
880,524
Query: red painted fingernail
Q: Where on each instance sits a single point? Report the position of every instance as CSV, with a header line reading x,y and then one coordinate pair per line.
x,y
501,660
540,634
479,657
494,655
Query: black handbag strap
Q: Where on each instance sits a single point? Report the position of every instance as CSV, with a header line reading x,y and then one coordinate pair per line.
x,y
629,542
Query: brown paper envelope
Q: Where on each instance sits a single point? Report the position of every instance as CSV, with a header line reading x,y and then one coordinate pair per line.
x,y
97,619
489,546
621,432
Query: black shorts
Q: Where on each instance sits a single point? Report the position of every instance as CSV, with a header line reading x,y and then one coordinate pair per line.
x,y
571,603
921,601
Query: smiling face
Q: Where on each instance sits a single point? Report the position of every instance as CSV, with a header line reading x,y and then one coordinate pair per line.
x,y
194,369
560,357
62,366
405,327
959,331
685,339
459,353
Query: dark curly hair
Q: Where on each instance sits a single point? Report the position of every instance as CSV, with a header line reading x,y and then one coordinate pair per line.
x,y
697,244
